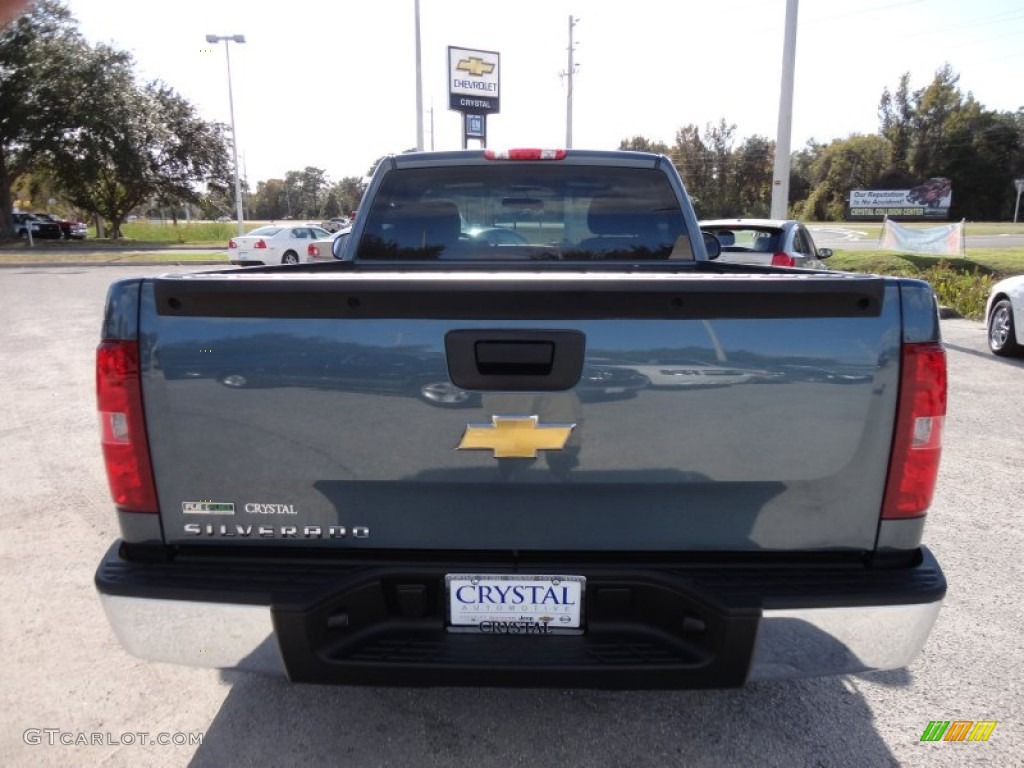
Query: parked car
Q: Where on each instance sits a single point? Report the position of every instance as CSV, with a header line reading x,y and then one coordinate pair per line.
x,y
69,228
336,223
778,243
274,244
43,229
324,250
1005,314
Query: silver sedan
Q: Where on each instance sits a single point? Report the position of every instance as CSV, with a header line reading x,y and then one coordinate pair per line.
x,y
767,242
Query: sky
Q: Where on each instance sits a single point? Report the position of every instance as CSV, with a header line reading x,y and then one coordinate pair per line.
x,y
332,84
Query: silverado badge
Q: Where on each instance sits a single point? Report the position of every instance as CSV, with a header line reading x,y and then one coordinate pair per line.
x,y
515,437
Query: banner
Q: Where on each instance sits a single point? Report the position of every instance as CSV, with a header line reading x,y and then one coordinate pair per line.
x,y
930,200
947,240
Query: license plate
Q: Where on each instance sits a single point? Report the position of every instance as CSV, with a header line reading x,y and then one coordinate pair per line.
x,y
515,604
243,254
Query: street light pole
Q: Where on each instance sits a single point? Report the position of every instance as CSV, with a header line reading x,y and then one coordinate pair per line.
x,y
234,136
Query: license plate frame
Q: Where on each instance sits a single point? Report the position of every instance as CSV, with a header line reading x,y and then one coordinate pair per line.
x,y
515,604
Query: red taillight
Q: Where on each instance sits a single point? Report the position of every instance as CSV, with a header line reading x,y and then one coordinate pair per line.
x,y
232,244
312,250
122,426
917,444
260,244
782,260
524,154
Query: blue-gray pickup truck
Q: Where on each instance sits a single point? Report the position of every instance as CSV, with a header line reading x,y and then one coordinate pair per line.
x,y
523,430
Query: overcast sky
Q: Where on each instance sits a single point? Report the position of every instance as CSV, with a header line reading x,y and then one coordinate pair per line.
x,y
332,85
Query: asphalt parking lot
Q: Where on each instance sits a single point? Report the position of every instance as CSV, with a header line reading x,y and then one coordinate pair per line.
x,y
65,675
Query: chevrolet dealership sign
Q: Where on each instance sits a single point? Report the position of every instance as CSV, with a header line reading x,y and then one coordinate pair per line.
x,y
473,80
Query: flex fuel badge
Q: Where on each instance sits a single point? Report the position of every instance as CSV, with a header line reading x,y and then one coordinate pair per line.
x,y
207,508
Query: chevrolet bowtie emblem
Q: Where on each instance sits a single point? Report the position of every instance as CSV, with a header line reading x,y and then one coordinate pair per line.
x,y
515,437
475,66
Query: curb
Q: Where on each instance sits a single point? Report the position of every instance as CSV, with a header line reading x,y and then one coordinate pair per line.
x,y
948,313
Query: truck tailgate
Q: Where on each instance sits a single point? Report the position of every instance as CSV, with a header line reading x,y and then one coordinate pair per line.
x,y
710,412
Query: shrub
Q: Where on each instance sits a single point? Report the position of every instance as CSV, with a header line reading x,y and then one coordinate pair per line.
x,y
965,291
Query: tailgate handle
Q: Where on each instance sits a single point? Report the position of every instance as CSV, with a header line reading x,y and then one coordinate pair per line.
x,y
516,361
515,358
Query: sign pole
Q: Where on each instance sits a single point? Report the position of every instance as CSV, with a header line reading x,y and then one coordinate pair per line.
x,y
1019,183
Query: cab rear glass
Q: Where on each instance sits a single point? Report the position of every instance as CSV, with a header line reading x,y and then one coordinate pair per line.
x,y
525,212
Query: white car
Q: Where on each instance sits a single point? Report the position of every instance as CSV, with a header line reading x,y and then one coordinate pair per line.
x,y
1005,315
770,242
335,224
324,249
274,244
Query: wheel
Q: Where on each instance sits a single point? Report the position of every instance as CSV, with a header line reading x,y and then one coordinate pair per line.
x,y
290,257
1002,339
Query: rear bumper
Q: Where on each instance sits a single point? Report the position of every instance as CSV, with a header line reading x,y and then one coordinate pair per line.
x,y
647,627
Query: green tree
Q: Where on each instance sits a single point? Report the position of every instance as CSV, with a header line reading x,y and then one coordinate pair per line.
x,y
690,156
37,51
349,192
643,144
940,131
705,161
753,165
896,114
270,201
855,162
133,143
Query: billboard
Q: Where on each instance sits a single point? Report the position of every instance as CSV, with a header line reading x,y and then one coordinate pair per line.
x,y
474,83
930,200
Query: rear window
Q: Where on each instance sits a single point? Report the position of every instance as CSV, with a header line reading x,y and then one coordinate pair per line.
x,y
525,212
266,231
746,239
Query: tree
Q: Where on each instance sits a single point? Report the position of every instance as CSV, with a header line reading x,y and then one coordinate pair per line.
x,y
940,131
269,202
856,162
349,192
643,144
690,156
36,54
705,162
133,143
896,113
753,165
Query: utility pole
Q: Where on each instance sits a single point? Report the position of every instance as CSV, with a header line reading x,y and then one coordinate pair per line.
x,y
419,84
780,176
569,72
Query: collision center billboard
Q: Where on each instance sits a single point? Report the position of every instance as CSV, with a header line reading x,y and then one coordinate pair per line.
x,y
930,200
474,84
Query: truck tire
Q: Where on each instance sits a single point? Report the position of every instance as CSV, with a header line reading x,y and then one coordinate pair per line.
x,y
1001,333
